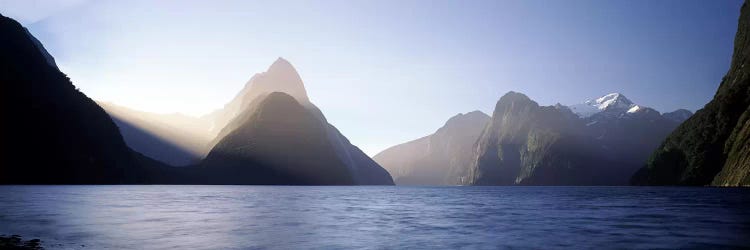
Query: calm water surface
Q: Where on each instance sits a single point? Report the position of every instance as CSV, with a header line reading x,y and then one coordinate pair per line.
x,y
260,217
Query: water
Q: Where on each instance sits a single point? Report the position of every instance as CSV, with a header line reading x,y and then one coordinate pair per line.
x,y
259,217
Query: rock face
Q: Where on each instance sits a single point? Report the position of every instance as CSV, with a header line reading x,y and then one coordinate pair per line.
x,y
602,143
441,158
528,144
312,144
713,146
52,133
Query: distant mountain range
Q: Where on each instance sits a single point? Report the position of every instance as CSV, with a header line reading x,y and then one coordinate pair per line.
x,y
271,133
713,146
599,142
604,141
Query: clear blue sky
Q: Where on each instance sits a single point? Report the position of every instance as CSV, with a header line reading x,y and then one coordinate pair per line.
x,y
385,72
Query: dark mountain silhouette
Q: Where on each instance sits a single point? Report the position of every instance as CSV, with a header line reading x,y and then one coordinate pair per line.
x,y
441,158
528,144
713,146
52,133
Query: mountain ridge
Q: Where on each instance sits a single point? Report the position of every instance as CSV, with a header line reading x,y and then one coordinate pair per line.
x,y
59,135
711,147
438,158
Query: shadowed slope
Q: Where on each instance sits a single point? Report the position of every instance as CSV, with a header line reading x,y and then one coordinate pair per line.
x,y
713,146
282,143
51,132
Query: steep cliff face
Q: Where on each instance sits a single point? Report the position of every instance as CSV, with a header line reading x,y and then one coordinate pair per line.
x,y
51,132
600,142
528,144
278,141
441,158
711,147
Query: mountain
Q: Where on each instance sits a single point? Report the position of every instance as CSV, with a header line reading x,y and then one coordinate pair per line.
x,y
182,140
441,158
525,143
52,133
713,146
680,115
280,77
175,139
297,145
630,132
282,143
599,142
610,103
602,141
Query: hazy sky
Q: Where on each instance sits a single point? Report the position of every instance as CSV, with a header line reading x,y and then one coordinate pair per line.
x,y
385,72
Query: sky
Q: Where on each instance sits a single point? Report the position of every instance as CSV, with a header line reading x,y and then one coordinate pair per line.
x,y
386,72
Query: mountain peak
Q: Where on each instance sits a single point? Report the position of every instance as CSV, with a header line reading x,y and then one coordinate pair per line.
x,y
513,96
612,100
280,77
475,115
513,102
512,99
679,115
281,64
609,102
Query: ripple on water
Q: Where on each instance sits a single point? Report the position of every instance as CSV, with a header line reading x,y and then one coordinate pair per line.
x,y
248,217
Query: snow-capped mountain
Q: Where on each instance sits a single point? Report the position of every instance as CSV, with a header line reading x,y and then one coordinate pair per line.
x,y
610,102
599,142
616,105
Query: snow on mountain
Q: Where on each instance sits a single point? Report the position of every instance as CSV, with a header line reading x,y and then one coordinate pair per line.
x,y
613,101
634,109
